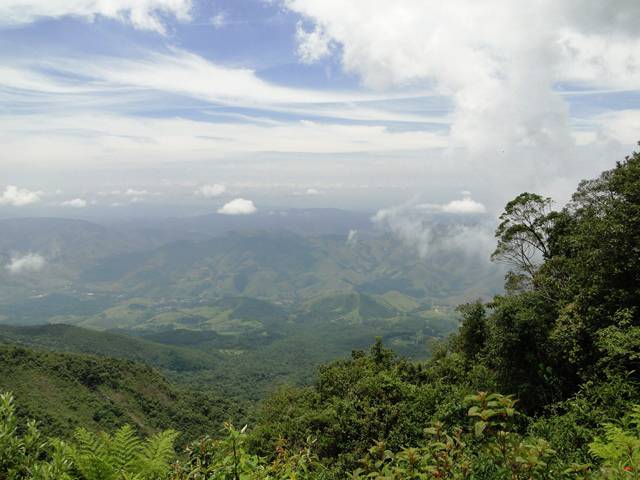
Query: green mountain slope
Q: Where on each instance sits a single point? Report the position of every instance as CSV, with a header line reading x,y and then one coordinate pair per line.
x,y
67,338
347,307
64,391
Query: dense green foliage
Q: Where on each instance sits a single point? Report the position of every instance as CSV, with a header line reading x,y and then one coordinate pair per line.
x,y
66,391
67,338
245,366
489,448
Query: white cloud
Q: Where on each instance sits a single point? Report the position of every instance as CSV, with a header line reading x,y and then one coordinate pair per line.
x,y
418,229
211,191
313,45
238,206
408,227
499,61
466,205
141,14
313,192
121,81
74,203
186,73
219,20
113,139
132,192
622,126
495,80
27,262
18,197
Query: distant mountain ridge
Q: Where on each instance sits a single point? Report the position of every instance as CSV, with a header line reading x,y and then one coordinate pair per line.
x,y
204,257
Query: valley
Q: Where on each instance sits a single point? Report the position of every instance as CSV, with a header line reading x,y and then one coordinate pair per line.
x,y
234,311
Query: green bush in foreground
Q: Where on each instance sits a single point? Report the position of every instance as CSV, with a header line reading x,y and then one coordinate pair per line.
x,y
487,448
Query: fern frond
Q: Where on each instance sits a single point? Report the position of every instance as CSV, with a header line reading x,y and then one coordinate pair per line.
x,y
91,455
156,455
124,447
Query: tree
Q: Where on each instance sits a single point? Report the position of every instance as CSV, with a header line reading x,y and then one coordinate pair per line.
x,y
473,331
523,233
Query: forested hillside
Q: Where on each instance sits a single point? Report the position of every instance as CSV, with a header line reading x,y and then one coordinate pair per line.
x,y
66,391
67,338
560,349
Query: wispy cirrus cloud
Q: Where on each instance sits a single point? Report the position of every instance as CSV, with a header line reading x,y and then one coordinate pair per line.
x,y
109,82
141,14
112,139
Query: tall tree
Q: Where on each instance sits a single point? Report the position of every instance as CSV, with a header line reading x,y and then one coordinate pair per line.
x,y
523,233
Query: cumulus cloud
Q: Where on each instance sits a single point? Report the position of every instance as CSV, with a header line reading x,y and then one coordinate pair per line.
x,y
18,197
141,14
74,203
238,206
211,191
466,205
498,47
26,262
499,61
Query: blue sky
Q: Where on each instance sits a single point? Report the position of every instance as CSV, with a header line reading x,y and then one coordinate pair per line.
x,y
351,103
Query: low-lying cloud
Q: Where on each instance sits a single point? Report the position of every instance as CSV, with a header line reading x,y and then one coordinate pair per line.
x,y
27,262
418,228
352,238
238,206
132,192
18,197
211,191
74,203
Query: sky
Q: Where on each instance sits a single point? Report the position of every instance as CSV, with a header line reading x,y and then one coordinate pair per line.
x,y
234,106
